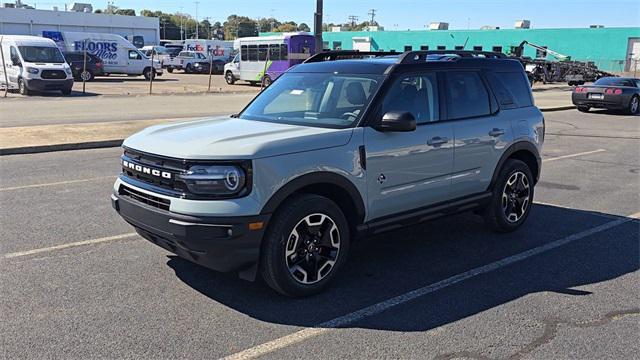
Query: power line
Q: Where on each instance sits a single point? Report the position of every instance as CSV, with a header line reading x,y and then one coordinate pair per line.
x,y
353,20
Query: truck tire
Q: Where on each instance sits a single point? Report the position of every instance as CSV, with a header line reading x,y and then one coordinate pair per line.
x,y
583,109
305,246
511,199
148,73
170,69
22,88
229,78
188,69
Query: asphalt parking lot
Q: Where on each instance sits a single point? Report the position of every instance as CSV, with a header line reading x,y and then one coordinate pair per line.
x,y
77,283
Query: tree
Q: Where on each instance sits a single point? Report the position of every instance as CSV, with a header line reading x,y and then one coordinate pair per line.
x,y
268,24
239,26
304,27
288,26
127,12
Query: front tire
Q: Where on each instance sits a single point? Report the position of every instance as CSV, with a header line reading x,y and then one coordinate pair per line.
x,y
634,105
583,109
188,69
22,88
266,81
170,69
229,78
512,197
305,246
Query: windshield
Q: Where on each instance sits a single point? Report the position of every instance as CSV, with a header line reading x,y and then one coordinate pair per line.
x,y
41,54
611,81
322,100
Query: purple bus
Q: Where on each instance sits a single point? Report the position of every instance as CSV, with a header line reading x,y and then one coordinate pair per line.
x,y
264,58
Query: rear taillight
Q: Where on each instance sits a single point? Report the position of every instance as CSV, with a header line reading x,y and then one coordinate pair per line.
x,y
613,91
580,90
617,91
98,65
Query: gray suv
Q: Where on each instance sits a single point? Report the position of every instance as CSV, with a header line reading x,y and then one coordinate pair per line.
x,y
345,145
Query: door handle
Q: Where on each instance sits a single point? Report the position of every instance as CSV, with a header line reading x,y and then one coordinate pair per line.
x,y
495,132
437,140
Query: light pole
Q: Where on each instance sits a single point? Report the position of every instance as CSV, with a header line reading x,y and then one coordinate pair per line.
x,y
317,31
197,24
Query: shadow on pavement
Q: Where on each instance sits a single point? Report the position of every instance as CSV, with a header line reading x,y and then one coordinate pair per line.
x,y
394,263
122,79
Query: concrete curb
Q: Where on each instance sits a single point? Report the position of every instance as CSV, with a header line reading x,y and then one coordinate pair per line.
x,y
558,108
118,142
61,147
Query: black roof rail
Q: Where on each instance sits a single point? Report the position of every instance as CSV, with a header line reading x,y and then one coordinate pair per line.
x,y
348,54
410,57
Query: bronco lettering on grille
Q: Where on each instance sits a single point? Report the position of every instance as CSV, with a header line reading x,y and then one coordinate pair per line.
x,y
146,170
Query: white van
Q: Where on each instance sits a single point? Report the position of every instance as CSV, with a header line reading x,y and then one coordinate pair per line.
x,y
34,64
117,53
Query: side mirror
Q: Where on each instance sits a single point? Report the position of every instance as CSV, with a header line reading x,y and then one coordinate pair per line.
x,y
397,121
16,62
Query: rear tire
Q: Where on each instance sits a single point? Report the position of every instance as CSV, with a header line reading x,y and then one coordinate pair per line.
x,y
149,73
511,199
583,109
229,78
305,246
634,105
188,69
170,69
266,81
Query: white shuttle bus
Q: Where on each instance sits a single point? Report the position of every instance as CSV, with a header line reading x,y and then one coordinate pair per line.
x,y
118,54
34,64
264,58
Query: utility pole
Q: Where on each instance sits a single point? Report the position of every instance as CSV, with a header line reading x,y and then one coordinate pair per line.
x,y
197,24
181,28
353,20
317,26
372,13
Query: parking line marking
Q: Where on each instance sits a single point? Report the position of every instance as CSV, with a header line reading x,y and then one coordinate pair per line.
x,y
299,336
69,245
56,183
573,155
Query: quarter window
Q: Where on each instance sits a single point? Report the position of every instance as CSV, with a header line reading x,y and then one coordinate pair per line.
x,y
467,95
510,88
415,94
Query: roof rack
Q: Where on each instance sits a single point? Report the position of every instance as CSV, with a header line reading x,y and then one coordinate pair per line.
x,y
410,57
348,54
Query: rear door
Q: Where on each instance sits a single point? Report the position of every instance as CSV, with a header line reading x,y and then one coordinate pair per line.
x,y
481,132
410,170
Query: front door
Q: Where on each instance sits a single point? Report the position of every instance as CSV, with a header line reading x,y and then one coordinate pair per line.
x,y
136,63
409,170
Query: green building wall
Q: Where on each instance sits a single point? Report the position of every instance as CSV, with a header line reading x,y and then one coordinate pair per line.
x,y
607,47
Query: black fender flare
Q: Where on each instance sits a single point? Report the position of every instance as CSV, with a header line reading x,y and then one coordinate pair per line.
x,y
316,178
515,147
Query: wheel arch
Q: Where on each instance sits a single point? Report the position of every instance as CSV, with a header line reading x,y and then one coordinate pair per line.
x,y
333,186
524,151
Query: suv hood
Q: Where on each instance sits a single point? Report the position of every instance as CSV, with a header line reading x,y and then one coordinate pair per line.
x,y
231,138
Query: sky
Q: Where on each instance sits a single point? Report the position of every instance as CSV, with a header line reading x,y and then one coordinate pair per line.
x,y
404,14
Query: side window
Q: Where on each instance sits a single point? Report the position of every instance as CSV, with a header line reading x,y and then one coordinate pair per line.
x,y
262,52
516,84
504,96
274,52
417,94
244,53
14,55
253,52
467,95
133,55
284,52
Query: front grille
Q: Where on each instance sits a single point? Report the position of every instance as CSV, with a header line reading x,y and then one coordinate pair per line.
x,y
153,201
53,74
172,166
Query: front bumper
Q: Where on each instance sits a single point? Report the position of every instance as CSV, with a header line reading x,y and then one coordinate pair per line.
x,y
219,243
48,85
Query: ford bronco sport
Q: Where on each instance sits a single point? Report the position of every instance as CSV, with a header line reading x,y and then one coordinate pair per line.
x,y
346,144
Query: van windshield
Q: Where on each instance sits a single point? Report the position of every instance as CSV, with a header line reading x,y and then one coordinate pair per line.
x,y
41,54
314,99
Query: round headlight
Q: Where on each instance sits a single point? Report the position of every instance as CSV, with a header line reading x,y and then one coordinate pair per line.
x,y
232,179
215,180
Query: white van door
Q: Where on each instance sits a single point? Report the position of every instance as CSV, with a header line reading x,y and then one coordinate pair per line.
x,y
14,66
136,62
